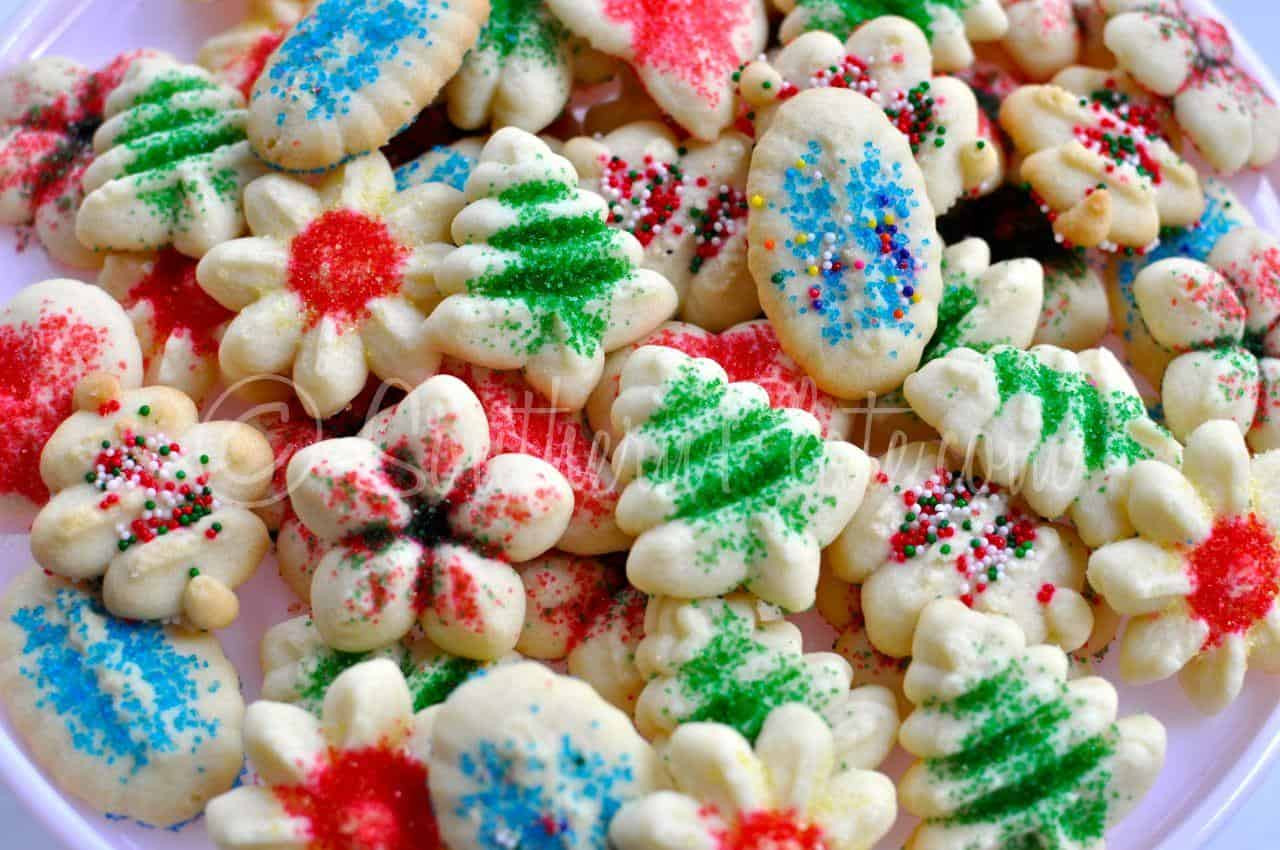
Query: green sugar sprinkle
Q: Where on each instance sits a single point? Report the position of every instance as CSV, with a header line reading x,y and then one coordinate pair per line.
x,y
1070,400
522,28
166,87
958,301
842,17
163,151
430,680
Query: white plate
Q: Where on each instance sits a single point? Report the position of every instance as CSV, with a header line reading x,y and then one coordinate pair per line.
x,y
1212,763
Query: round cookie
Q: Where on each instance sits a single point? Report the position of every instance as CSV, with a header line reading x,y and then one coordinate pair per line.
x,y
794,789
352,73
722,490
154,502
238,55
357,778
334,284
686,203
49,110
515,299
1201,578
926,530
418,524
137,719
994,714
843,244
52,335
171,162
177,323
522,757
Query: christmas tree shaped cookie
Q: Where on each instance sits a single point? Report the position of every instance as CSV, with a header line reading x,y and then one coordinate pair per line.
x,y
723,490
541,282
1010,753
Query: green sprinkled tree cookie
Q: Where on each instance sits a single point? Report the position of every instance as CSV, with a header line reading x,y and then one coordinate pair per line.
x,y
518,74
1010,753
541,282
298,668
172,163
1063,429
723,490
734,659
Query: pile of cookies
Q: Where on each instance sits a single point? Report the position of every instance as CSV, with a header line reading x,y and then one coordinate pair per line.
x,y
562,354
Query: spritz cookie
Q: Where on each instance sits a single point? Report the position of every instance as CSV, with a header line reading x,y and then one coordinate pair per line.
x,y
1224,111
352,73
139,720
177,323
516,298
335,282
1105,179
418,524
926,530
888,60
722,490
449,164
840,604
1200,580
238,55
356,778
154,502
52,335
518,74
686,203
1062,429
171,162
951,25
734,659
747,352
49,110
684,54
1008,751
298,668
1043,37
793,789
844,249
583,611
1076,311
523,757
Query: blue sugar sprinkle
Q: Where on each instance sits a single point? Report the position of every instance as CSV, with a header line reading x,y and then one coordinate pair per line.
x,y
116,724
532,816
448,166
340,48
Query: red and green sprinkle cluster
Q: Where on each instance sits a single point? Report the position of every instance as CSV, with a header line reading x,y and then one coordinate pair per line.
x,y
724,214
912,113
642,200
1123,141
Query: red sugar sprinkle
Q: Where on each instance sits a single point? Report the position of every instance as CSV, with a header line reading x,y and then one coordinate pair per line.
x,y
374,798
244,71
768,829
179,307
1234,575
342,261
1045,595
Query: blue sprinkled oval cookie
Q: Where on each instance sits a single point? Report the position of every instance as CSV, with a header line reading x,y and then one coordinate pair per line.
x,y
844,247
352,73
138,720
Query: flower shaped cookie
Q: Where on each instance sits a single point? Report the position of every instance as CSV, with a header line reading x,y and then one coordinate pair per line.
x,y
952,25
925,531
686,203
52,335
1201,579
1062,429
541,283
1225,112
418,524
238,55
840,604
795,789
49,110
684,53
1009,752
177,323
722,490
747,352
171,162
734,659
518,73
298,668
356,779
583,611
334,283
154,502
1105,178
1215,326
888,60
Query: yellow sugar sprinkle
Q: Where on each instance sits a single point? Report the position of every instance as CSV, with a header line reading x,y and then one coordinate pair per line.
x,y
757,201
889,219
915,299
799,163
801,239
813,271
